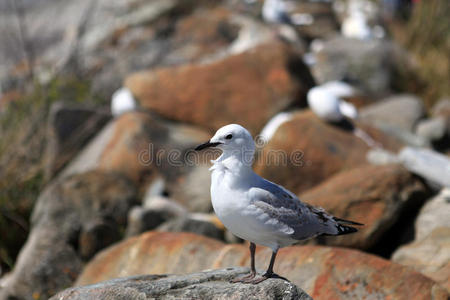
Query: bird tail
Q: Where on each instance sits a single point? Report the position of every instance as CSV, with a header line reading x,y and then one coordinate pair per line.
x,y
343,228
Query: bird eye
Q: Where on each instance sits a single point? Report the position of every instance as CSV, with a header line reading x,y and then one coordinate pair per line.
x,y
229,137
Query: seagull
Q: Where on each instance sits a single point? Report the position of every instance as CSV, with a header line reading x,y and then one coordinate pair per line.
x,y
258,210
122,101
327,103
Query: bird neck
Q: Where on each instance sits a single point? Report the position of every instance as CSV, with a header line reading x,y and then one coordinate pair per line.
x,y
234,162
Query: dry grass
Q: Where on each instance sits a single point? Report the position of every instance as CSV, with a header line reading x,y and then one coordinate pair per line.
x,y
427,37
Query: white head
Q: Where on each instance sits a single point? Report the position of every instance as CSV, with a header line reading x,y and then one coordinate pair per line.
x,y
235,141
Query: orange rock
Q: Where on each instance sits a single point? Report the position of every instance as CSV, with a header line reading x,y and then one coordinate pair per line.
x,y
312,151
323,272
262,82
373,195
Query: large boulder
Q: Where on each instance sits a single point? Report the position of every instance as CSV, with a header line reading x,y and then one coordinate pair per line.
x,y
144,147
73,219
429,164
399,111
305,151
429,253
204,285
373,195
375,66
433,214
323,272
430,256
264,81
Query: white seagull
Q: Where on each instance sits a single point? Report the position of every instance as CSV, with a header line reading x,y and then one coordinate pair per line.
x,y
122,101
327,103
258,210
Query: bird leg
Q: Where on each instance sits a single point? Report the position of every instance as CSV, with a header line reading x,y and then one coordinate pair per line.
x,y
269,273
251,276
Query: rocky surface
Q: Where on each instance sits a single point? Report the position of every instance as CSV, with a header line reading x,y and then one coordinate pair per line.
x,y
305,151
429,164
401,111
430,256
195,66
203,224
70,127
322,272
204,285
371,64
143,147
429,253
373,195
274,65
72,220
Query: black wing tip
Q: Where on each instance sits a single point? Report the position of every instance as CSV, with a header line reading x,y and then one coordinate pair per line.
x,y
342,229
347,222
345,229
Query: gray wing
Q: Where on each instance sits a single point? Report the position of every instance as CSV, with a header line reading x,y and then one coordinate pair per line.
x,y
305,220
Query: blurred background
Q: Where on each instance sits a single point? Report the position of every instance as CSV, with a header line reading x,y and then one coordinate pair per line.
x,y
95,94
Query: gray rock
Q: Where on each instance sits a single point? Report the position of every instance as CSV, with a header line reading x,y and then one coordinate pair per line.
x,y
204,285
152,214
379,156
400,111
435,213
70,127
404,136
428,164
195,224
434,129
370,64
430,255
441,108
73,218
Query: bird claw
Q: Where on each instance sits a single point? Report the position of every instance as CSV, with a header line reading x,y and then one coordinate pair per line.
x,y
244,279
251,278
266,276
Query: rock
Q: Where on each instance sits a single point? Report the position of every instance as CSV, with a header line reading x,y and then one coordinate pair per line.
x,y
45,265
322,21
204,285
433,214
175,92
73,218
400,111
441,108
373,195
373,65
430,255
305,151
96,235
155,211
431,165
379,156
404,136
201,224
144,147
323,272
433,130
70,127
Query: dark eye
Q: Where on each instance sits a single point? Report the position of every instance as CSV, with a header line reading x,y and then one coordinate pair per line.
x,y
229,137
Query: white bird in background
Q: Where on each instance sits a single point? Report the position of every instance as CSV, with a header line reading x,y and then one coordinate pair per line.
x,y
122,101
271,127
355,26
327,103
256,209
279,12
